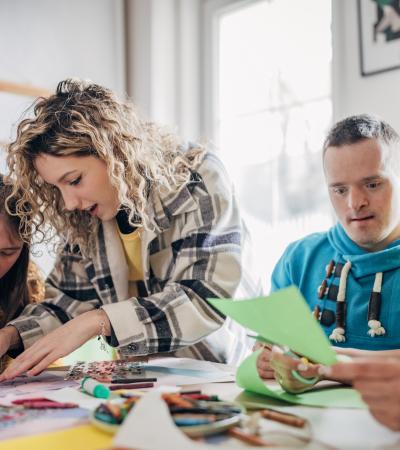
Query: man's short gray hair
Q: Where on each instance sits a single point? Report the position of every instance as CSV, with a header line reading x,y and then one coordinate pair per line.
x,y
354,129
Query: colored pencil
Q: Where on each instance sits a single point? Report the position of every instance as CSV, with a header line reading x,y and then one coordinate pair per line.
x,y
133,380
115,387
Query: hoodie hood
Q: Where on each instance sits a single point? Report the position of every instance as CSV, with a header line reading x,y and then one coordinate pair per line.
x,y
363,263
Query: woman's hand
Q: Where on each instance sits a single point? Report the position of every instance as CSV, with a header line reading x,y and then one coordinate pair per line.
x,y
378,381
293,374
58,343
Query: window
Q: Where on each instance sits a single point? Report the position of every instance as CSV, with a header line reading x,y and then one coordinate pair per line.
x,y
271,109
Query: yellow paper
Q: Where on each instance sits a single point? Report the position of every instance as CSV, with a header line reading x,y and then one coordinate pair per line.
x,y
85,437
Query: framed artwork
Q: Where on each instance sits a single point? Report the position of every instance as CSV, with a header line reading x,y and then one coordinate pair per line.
x,y
379,35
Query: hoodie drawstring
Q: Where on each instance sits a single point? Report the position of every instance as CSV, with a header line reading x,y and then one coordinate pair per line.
x,y
374,306
338,334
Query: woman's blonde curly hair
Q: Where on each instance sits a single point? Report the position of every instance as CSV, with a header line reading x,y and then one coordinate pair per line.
x,y
83,119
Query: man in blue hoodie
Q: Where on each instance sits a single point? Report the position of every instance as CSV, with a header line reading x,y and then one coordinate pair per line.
x,y
350,275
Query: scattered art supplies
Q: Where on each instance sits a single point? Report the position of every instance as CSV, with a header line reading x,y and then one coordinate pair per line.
x,y
24,385
36,416
285,319
106,371
138,430
195,414
165,371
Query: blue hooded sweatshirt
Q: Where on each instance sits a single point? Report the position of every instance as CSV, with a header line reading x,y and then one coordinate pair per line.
x,y
304,265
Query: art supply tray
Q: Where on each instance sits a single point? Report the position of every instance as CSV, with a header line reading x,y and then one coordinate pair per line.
x,y
195,417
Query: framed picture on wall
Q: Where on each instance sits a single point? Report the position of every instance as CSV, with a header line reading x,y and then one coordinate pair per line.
x,y
379,35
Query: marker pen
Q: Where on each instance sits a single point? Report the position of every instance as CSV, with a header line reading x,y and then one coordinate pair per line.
x,y
95,388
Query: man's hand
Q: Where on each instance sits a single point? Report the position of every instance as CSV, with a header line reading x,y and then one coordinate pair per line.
x,y
378,381
264,368
57,344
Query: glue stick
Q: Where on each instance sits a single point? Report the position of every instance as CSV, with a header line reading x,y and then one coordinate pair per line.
x,y
95,388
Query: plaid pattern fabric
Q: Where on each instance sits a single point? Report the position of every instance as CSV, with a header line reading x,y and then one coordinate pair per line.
x,y
194,251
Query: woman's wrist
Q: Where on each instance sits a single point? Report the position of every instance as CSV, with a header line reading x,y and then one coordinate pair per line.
x,y
101,325
13,336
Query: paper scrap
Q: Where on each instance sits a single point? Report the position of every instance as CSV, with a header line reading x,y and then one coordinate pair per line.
x,y
184,371
85,437
24,385
18,422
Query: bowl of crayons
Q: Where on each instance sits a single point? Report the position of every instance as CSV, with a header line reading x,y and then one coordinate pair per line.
x,y
194,414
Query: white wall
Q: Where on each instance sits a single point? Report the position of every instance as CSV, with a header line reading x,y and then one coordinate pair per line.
x,y
353,94
164,62
45,41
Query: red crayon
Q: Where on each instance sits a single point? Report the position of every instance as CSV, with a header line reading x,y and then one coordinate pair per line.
x,y
43,403
213,398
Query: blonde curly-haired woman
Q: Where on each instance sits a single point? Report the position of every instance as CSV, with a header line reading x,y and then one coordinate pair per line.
x,y
150,229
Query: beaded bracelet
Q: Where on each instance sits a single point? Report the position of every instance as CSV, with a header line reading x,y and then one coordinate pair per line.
x,y
102,334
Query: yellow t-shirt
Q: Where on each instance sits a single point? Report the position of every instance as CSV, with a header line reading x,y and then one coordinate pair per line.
x,y
133,254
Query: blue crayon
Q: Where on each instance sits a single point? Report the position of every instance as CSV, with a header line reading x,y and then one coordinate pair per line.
x,y
181,422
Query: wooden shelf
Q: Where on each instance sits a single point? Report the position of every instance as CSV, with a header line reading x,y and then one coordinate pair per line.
x,y
23,89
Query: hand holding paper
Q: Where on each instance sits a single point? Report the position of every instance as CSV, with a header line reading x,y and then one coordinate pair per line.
x,y
284,318
293,373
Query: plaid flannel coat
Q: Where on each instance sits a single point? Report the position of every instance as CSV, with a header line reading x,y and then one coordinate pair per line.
x,y
194,251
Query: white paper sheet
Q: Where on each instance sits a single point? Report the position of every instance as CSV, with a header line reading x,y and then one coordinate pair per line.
x,y
24,385
347,428
340,428
149,426
183,371
41,421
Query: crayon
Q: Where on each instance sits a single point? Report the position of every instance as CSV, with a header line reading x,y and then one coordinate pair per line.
x,y
105,416
133,380
199,410
177,400
113,410
43,403
212,398
210,417
287,419
115,387
190,391
252,439
22,401
190,421
129,396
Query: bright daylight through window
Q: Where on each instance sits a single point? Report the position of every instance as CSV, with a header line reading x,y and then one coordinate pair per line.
x,y
273,109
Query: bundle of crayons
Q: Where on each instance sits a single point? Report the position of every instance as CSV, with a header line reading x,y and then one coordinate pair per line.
x,y
187,410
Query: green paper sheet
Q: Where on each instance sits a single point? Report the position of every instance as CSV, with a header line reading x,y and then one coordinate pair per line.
x,y
284,318
334,396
